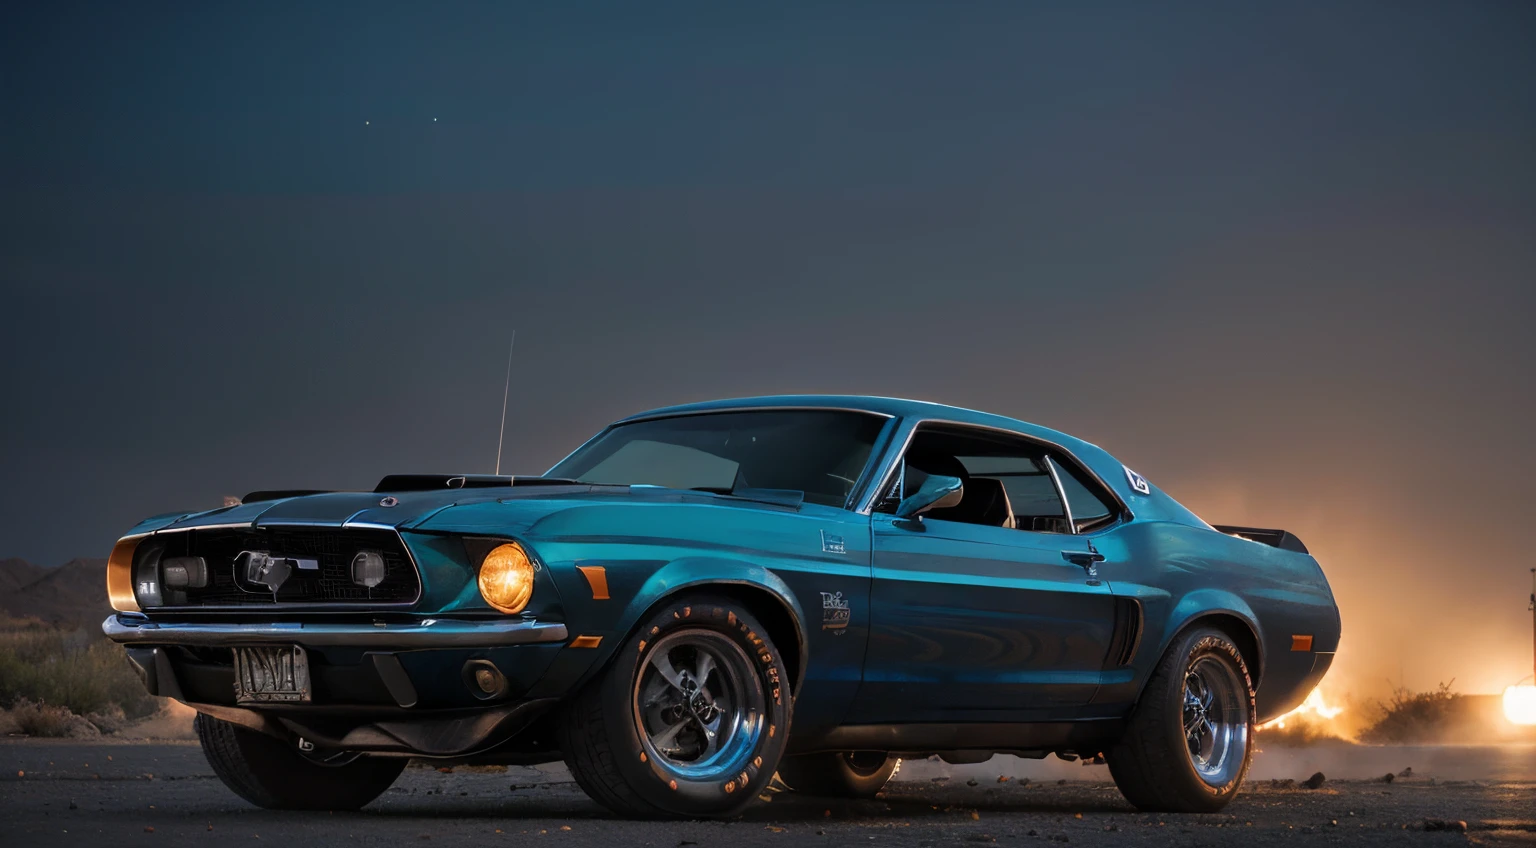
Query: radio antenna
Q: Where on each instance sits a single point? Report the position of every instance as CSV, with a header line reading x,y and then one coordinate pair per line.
x,y
506,390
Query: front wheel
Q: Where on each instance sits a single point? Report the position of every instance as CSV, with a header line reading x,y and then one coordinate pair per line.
x,y
273,774
1188,744
840,774
689,720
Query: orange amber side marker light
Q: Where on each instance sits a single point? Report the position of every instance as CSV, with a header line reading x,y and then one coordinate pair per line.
x,y
597,578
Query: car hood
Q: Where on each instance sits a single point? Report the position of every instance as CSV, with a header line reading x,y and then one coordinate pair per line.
x,y
504,507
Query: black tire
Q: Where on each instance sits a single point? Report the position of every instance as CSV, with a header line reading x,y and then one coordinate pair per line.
x,y
609,736
271,773
1156,763
840,774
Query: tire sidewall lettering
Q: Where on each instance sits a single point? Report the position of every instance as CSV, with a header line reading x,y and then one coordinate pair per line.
x,y
650,778
1203,644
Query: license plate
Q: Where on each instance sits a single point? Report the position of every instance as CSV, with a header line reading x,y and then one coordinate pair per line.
x,y
269,674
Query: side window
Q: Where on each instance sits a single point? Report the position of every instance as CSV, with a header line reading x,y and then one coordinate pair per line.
x,y
1092,507
1032,494
1007,481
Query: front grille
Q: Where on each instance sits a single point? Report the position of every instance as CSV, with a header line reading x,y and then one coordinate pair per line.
x,y
329,585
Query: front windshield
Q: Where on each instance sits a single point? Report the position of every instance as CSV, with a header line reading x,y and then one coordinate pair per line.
x,y
818,452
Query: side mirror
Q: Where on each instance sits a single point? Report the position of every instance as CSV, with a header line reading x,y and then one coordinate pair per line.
x,y
937,492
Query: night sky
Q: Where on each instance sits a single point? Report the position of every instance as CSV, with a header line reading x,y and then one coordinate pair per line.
x,y
1282,261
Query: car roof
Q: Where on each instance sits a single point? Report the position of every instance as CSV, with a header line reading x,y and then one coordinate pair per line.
x,y
1154,504
894,407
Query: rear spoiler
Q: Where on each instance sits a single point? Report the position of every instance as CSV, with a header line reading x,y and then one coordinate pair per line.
x,y
1274,538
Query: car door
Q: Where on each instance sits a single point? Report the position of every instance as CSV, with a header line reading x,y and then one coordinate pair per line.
x,y
982,623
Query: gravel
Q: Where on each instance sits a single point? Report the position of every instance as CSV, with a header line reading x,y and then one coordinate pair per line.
x,y
59,793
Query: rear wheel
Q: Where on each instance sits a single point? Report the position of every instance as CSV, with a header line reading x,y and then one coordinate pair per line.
x,y
271,773
839,774
690,720
1188,744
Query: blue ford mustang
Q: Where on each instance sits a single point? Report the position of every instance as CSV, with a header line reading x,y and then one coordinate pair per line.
x,y
701,596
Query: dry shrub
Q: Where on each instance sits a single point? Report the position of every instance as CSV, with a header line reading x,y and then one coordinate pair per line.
x,y
1409,718
36,719
110,720
80,671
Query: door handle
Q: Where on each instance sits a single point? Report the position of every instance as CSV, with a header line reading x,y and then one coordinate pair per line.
x,y
1089,560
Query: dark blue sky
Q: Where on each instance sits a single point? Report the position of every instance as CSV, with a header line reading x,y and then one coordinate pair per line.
x,y
1278,258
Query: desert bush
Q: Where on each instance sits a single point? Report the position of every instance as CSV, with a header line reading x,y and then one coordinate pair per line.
x,y
110,720
77,670
1413,717
36,719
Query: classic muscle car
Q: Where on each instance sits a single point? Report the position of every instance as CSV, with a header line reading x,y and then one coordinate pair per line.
x,y
701,596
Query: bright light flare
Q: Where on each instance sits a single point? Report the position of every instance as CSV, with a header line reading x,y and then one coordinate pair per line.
x,y
506,578
1313,707
1520,704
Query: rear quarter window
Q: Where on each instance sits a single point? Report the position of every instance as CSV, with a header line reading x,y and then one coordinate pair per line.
x,y
1091,506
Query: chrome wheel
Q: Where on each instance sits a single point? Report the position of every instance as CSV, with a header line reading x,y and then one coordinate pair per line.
x,y
698,705
1215,720
1186,747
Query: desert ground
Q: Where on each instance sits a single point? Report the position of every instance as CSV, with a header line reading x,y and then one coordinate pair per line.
x,y
94,792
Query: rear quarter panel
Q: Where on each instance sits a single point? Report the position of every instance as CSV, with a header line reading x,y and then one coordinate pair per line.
x,y
1181,573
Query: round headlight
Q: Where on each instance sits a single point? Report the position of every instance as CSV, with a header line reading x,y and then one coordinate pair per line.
x,y
506,578
367,569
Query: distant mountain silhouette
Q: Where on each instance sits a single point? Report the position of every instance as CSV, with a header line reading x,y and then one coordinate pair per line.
x,y
16,573
72,595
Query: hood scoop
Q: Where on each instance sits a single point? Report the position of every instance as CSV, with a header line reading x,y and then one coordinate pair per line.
x,y
442,482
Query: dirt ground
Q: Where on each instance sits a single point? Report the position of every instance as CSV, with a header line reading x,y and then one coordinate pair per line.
x,y
60,793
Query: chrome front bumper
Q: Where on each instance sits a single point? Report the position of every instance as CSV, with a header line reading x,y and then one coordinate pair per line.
x,y
428,633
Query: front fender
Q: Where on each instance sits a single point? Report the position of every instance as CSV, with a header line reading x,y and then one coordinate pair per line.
x,y
697,571
578,666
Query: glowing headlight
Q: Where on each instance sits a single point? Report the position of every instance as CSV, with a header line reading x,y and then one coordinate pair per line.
x,y
506,578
